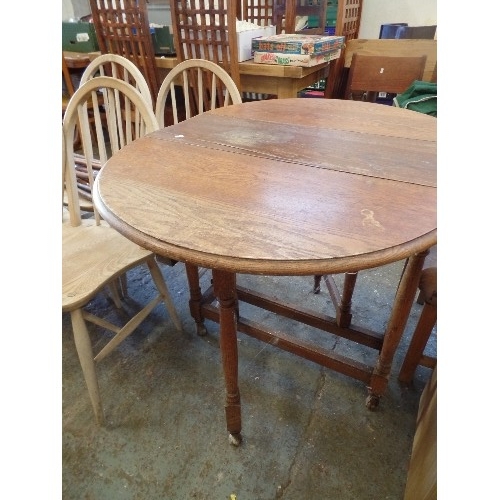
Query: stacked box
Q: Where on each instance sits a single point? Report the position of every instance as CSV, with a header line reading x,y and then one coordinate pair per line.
x,y
306,60
298,44
245,40
79,37
163,41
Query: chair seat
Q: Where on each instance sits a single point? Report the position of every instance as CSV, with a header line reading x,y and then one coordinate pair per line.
x,y
83,271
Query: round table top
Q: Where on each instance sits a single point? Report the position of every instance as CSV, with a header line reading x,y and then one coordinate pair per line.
x,y
281,186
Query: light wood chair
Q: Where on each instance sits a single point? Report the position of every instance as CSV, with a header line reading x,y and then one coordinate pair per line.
x,y
68,91
122,28
205,86
94,255
117,67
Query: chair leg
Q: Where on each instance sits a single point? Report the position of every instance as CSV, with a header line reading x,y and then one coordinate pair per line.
x,y
162,288
193,277
423,330
86,356
317,283
123,285
115,293
341,301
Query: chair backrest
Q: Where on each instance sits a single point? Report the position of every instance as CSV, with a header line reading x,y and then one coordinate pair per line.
x,y
347,25
122,28
68,83
348,18
206,29
128,116
117,67
204,86
296,8
263,12
394,48
381,73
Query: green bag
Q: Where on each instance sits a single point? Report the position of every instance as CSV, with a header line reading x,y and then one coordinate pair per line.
x,y
419,96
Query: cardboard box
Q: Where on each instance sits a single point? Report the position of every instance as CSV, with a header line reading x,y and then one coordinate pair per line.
x,y
298,44
245,40
306,60
79,37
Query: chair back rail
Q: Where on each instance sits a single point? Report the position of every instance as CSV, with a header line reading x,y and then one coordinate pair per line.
x,y
206,29
119,67
347,25
203,85
122,28
128,116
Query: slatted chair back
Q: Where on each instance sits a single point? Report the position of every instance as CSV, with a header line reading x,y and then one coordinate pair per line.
x,y
119,67
347,25
264,13
127,117
206,29
204,86
122,28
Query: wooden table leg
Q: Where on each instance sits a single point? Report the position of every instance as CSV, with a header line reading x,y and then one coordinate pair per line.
x,y
195,298
403,302
225,291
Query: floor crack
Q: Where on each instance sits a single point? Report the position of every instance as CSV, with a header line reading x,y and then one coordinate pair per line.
x,y
318,394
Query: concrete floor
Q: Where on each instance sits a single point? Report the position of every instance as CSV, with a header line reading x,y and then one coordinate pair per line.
x,y
306,431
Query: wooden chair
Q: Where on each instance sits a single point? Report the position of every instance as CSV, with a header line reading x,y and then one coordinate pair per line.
x,y
117,67
206,29
338,76
347,25
369,75
69,88
94,255
205,86
263,12
68,91
283,13
122,28
428,317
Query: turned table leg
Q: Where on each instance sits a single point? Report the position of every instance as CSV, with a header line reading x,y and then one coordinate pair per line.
x,y
403,302
225,291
